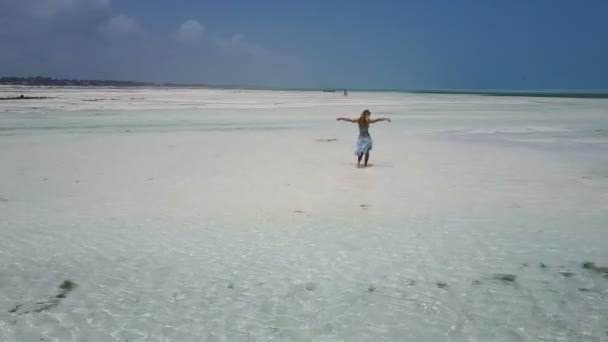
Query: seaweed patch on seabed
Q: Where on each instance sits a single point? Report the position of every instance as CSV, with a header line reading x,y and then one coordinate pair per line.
x,y
23,97
588,265
505,278
64,289
310,286
441,285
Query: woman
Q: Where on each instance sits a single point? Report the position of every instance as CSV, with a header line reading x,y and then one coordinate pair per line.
x,y
364,142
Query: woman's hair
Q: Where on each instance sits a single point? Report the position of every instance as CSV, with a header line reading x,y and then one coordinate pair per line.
x,y
363,117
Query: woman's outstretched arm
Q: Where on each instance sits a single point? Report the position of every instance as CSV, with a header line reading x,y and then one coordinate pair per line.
x,y
379,119
346,119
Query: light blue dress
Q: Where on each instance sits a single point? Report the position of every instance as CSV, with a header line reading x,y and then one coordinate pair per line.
x,y
364,142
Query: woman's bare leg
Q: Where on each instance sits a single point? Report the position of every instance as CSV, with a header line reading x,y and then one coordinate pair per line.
x,y
359,157
366,158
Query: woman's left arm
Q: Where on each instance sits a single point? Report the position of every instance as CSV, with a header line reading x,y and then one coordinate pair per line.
x,y
379,119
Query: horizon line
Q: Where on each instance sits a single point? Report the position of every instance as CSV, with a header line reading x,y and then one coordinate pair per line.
x,y
542,92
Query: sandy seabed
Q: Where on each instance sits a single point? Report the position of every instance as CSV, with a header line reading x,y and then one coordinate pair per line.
x,y
228,215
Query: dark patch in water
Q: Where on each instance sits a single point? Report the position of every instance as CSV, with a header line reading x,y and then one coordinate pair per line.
x,y
3,199
603,270
476,282
441,285
412,283
588,265
230,286
66,287
567,274
17,307
364,206
505,278
310,286
525,264
371,288
583,289
542,265
23,97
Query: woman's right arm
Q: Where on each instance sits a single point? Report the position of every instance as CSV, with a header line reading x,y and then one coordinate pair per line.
x,y
346,119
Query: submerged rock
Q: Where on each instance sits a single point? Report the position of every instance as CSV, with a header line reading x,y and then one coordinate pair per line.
x,y
504,277
603,270
67,285
17,307
441,285
310,286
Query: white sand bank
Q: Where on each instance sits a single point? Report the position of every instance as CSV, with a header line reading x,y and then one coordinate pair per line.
x,y
191,215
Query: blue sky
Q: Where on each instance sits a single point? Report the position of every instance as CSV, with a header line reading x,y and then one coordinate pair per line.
x,y
466,44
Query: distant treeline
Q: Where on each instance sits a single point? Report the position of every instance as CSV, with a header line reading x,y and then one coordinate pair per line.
x,y
48,81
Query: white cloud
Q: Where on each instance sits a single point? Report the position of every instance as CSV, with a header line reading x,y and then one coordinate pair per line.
x,y
121,26
238,43
190,31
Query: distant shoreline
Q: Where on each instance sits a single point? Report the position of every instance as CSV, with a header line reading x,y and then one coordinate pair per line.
x,y
67,83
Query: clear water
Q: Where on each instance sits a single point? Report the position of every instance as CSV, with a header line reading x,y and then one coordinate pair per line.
x,y
191,215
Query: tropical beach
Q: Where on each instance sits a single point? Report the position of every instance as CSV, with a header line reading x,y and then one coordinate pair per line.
x,y
303,171
240,215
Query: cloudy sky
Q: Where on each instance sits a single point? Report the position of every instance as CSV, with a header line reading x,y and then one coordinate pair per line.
x,y
470,44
